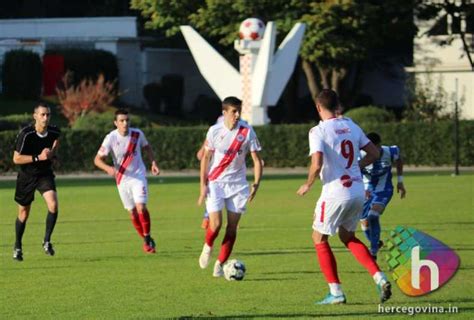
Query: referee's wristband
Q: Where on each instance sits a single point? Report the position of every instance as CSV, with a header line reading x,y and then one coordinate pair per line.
x,y
400,179
35,158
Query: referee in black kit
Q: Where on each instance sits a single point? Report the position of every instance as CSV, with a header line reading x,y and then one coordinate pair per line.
x,y
35,146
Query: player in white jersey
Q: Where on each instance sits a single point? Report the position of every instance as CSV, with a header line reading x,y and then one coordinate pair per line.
x,y
223,179
125,145
334,150
379,189
199,154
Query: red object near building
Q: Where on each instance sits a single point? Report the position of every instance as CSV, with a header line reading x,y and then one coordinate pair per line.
x,y
53,71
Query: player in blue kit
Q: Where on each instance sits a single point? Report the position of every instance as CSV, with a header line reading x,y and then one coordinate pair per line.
x,y
379,189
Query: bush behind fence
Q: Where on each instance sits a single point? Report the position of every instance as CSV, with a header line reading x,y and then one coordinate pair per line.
x,y
283,145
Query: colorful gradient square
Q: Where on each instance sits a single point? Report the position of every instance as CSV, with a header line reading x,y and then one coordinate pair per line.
x,y
399,258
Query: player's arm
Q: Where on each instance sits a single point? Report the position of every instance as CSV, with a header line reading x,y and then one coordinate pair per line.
x,y
200,152
257,172
206,158
372,154
400,186
313,172
155,170
100,163
25,158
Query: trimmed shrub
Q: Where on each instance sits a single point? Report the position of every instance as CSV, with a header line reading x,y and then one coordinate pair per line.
x,y
22,74
15,121
105,121
283,145
370,114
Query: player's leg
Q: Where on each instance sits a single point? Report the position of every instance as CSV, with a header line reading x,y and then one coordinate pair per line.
x,y
145,221
324,225
136,221
51,200
126,196
215,223
214,206
24,196
47,187
205,221
139,191
20,225
228,242
380,201
364,223
373,219
359,250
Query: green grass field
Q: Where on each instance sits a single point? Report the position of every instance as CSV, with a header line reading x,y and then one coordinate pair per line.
x,y
100,271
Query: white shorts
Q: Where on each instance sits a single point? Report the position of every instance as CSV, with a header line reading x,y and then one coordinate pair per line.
x,y
133,191
231,195
329,215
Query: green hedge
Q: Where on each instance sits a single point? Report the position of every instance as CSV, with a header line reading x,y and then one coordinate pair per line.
x,y
21,74
283,145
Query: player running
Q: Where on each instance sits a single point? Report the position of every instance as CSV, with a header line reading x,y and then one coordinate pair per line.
x,y
223,179
125,144
334,150
379,189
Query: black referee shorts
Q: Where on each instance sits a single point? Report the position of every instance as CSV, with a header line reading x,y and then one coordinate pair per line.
x,y
26,185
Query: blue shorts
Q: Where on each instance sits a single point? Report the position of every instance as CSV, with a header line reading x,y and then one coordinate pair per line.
x,y
381,198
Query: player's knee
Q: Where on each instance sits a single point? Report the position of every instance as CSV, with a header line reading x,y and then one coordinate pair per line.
x,y
373,215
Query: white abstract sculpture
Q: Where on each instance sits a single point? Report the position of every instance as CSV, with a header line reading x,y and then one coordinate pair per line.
x,y
263,74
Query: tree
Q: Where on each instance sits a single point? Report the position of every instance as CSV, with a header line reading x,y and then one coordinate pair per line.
x,y
339,34
456,15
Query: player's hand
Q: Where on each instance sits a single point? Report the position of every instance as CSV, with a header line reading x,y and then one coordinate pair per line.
x,y
367,194
202,195
110,171
253,192
303,190
154,169
401,190
45,154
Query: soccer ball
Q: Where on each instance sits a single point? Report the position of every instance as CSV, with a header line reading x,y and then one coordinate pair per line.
x,y
234,270
251,29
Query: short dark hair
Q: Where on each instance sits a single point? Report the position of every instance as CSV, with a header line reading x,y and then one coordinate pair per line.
x,y
328,99
231,101
40,104
374,137
119,112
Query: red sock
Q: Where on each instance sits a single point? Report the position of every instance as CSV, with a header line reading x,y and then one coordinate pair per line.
x,y
362,254
327,262
136,222
226,248
211,236
145,221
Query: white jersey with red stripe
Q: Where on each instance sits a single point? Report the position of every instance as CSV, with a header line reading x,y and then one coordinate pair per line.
x,y
340,141
230,148
117,145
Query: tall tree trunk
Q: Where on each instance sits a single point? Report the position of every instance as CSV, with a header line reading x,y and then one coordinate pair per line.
x,y
311,79
324,74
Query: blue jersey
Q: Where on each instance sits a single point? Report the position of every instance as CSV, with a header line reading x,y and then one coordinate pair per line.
x,y
378,175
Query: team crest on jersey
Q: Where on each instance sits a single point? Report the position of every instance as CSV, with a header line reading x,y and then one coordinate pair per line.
x,y
346,181
240,137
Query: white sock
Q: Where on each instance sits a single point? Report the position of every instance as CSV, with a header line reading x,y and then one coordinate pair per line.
x,y
335,289
379,277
